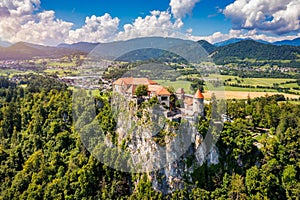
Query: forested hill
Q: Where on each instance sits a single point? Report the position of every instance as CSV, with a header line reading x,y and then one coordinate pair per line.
x,y
207,46
42,156
23,50
254,50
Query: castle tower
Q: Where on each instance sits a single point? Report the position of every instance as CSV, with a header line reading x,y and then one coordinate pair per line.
x,y
198,103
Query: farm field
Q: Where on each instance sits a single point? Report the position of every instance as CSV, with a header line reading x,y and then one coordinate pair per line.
x,y
244,95
264,81
231,92
251,81
11,72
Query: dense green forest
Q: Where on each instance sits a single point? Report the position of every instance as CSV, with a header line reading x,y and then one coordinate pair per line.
x,y
249,49
42,157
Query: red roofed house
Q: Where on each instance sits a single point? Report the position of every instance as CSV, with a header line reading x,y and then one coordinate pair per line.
x,y
128,85
198,102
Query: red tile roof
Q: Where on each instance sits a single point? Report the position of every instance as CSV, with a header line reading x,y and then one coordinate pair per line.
x,y
198,95
158,90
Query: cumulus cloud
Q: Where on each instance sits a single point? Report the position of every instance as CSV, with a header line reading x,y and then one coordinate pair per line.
x,y
4,12
159,23
96,29
20,20
18,23
180,8
23,20
274,16
20,7
252,34
43,29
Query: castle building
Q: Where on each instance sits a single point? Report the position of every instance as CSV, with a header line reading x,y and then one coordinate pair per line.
x,y
127,86
191,103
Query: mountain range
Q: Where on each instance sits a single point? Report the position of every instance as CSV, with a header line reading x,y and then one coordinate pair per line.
x,y
231,50
23,50
294,42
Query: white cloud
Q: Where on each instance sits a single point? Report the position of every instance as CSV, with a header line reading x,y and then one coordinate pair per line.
x,y
274,16
159,23
20,21
180,8
20,7
43,29
96,29
189,30
218,36
20,24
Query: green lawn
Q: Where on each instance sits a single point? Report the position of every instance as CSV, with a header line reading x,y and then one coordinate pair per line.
x,y
176,84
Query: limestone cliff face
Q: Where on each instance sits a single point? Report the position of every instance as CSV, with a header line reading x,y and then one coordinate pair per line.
x,y
168,152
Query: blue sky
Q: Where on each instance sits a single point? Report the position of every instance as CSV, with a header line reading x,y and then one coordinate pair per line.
x,y
51,22
204,20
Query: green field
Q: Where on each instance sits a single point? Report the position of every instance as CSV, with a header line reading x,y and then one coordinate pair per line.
x,y
221,77
268,82
11,72
61,64
61,72
231,88
292,102
289,85
264,81
176,84
251,81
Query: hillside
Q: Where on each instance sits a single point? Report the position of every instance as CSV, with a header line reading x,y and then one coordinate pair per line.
x,y
207,46
254,50
80,46
235,40
22,50
51,148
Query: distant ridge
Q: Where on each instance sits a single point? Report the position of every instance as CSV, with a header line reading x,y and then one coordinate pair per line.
x,y
294,42
235,40
80,46
23,50
142,49
207,46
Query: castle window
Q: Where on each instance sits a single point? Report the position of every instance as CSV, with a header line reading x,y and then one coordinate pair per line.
x,y
164,98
